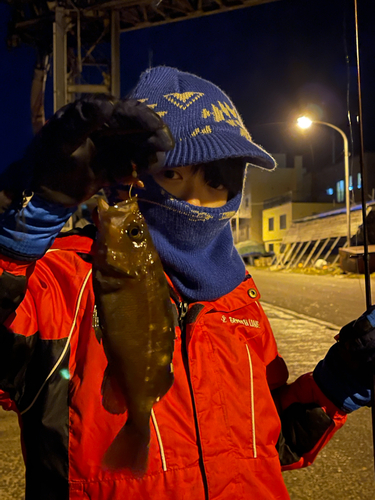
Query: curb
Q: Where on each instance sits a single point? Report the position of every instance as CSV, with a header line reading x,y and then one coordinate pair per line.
x,y
303,316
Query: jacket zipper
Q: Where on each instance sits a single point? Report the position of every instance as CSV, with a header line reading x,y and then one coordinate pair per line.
x,y
183,308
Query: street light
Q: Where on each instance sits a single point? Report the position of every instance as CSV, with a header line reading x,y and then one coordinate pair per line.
x,y
305,122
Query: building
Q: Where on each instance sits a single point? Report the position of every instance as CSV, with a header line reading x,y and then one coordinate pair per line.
x,y
329,184
262,185
278,215
273,200
289,182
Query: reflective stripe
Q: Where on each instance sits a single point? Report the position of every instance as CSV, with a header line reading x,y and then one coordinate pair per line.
x,y
252,402
66,344
161,447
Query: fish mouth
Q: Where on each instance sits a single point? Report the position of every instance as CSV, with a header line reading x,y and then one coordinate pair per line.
x,y
126,199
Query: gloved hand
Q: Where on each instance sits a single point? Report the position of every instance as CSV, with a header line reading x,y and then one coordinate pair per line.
x,y
345,374
357,345
85,146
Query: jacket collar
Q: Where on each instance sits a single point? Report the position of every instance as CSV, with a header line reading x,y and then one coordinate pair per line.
x,y
244,294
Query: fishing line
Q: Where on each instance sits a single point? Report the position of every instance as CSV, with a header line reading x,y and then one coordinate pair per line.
x,y
348,88
363,200
362,167
351,136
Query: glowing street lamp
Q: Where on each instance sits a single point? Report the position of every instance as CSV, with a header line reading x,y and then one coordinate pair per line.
x,y
305,122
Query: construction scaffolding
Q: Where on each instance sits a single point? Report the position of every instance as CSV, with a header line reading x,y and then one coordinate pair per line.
x,y
320,237
70,31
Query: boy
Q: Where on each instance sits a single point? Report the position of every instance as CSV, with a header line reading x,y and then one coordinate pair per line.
x,y
230,422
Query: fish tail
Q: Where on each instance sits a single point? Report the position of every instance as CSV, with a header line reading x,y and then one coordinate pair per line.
x,y
129,449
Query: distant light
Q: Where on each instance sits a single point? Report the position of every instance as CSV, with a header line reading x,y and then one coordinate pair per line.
x,y
359,181
304,122
330,191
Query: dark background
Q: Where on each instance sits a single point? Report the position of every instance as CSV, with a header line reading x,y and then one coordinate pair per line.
x,y
276,61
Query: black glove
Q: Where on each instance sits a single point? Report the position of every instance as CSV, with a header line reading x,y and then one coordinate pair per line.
x,y
86,145
357,345
345,374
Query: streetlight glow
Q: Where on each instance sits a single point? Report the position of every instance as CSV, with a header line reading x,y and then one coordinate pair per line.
x,y
304,122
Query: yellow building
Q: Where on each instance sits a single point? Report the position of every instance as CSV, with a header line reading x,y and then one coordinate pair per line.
x,y
278,216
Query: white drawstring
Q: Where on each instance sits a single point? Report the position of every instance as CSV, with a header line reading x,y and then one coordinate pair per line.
x,y
163,461
252,401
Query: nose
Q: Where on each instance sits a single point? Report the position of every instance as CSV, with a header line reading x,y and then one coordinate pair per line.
x,y
193,201
193,192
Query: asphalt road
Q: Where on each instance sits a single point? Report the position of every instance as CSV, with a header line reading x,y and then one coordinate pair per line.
x,y
12,470
336,299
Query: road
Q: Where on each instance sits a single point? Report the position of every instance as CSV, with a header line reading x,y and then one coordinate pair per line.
x,y
336,299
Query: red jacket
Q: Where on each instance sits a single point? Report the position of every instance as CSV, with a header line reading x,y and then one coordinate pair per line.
x,y
213,436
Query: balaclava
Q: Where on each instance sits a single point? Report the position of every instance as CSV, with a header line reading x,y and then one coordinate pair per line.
x,y
195,244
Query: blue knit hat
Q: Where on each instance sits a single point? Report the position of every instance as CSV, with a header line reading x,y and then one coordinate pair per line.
x,y
203,120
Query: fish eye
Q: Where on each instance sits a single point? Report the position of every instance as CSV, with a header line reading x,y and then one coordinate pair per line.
x,y
135,231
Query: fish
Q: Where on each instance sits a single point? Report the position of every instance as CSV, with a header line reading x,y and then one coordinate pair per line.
x,y
137,325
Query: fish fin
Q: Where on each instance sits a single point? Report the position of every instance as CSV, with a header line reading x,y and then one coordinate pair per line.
x,y
129,450
112,397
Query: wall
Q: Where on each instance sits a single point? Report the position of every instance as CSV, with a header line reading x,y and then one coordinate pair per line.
x,y
275,236
263,185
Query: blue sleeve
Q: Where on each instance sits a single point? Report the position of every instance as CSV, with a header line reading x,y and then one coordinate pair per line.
x,y
27,234
339,383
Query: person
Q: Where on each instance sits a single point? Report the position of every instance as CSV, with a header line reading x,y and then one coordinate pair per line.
x,y
231,421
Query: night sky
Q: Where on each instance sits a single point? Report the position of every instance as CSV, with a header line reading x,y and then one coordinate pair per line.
x,y
276,61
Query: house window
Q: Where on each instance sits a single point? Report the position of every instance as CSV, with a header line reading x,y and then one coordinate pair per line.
x,y
270,247
340,191
283,221
270,224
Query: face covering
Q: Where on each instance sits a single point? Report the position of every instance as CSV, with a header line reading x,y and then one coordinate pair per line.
x,y
195,243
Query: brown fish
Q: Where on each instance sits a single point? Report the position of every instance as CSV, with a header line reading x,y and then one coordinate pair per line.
x,y
137,323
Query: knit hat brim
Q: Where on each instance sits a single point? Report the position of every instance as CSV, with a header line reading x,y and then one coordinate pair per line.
x,y
227,145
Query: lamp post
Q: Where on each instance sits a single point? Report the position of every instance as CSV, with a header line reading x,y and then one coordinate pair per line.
x,y
305,122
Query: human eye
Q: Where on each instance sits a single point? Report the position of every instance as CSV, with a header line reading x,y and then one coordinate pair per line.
x,y
170,174
216,185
